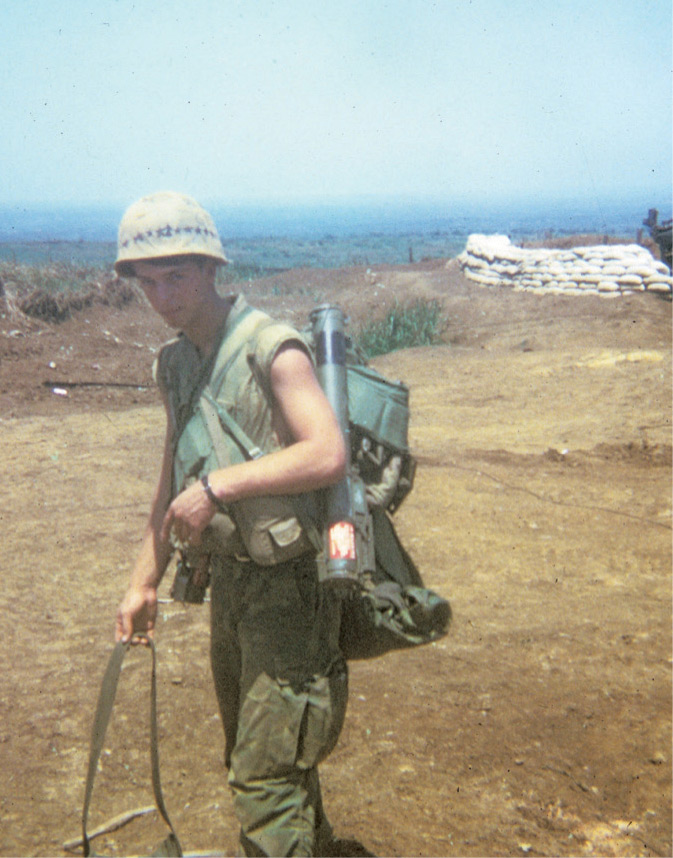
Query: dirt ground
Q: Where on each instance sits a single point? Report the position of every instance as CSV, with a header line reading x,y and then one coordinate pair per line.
x,y
541,725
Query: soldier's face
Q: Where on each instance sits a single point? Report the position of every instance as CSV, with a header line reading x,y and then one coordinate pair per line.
x,y
177,291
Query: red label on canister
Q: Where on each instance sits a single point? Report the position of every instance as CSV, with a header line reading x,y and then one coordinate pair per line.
x,y
342,541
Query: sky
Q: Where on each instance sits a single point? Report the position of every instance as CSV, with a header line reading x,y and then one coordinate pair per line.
x,y
243,101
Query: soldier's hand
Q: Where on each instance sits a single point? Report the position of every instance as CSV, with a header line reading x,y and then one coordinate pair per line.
x,y
136,613
187,516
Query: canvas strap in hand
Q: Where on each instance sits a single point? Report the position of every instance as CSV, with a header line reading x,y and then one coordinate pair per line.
x,y
171,845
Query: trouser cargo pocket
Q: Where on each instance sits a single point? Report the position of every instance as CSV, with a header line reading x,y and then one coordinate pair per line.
x,y
281,729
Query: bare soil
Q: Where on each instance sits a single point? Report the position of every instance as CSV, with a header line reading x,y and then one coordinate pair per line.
x,y
541,725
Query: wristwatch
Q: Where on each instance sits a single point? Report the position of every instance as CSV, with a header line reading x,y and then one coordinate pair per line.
x,y
212,497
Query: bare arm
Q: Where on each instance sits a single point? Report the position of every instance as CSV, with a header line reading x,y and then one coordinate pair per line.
x,y
137,611
316,458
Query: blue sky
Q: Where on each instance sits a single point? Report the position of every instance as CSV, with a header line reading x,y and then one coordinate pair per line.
x,y
296,100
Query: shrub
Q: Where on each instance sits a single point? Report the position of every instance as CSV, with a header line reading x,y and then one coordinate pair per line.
x,y
417,324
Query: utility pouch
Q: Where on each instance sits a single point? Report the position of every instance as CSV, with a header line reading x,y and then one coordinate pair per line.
x,y
271,530
274,528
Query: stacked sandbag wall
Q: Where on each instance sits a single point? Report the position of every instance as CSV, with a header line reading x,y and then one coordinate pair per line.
x,y
604,269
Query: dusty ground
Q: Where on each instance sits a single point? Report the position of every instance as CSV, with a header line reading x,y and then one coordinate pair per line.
x,y
540,726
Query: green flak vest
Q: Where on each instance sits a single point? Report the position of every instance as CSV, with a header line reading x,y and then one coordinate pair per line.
x,y
220,410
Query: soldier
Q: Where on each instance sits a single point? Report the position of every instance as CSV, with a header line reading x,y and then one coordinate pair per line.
x,y
280,678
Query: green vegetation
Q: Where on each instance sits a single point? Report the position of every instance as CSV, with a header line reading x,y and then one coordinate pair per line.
x,y
417,324
53,278
53,292
264,254
235,272
57,278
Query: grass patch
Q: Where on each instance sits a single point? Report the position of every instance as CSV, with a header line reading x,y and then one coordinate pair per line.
x,y
403,327
53,292
55,277
234,273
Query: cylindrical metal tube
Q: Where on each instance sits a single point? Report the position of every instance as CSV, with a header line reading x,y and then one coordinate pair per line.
x,y
328,325
329,332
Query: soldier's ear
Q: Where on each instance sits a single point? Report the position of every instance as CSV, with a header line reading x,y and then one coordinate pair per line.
x,y
209,268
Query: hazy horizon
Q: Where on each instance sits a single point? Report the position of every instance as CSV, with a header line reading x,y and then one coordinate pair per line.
x,y
99,221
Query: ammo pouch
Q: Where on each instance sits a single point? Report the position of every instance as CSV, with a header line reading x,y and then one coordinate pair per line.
x,y
271,529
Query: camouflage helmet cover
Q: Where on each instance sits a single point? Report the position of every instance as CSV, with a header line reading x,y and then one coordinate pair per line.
x,y
165,224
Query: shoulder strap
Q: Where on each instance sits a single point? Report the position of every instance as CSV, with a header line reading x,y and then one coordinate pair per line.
x,y
217,418
101,720
249,322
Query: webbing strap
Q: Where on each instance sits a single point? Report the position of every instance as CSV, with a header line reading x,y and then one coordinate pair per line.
x,y
246,325
106,699
229,344
236,333
226,422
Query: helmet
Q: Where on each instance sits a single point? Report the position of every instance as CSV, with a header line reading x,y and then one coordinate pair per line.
x,y
165,224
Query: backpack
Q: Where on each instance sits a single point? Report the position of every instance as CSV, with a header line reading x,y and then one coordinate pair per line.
x,y
392,608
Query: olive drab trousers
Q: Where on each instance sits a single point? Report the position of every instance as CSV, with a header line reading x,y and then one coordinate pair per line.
x,y
282,687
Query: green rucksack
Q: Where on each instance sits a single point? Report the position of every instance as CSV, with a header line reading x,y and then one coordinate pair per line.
x,y
392,609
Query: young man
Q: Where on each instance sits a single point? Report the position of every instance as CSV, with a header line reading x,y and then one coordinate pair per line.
x,y
280,677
